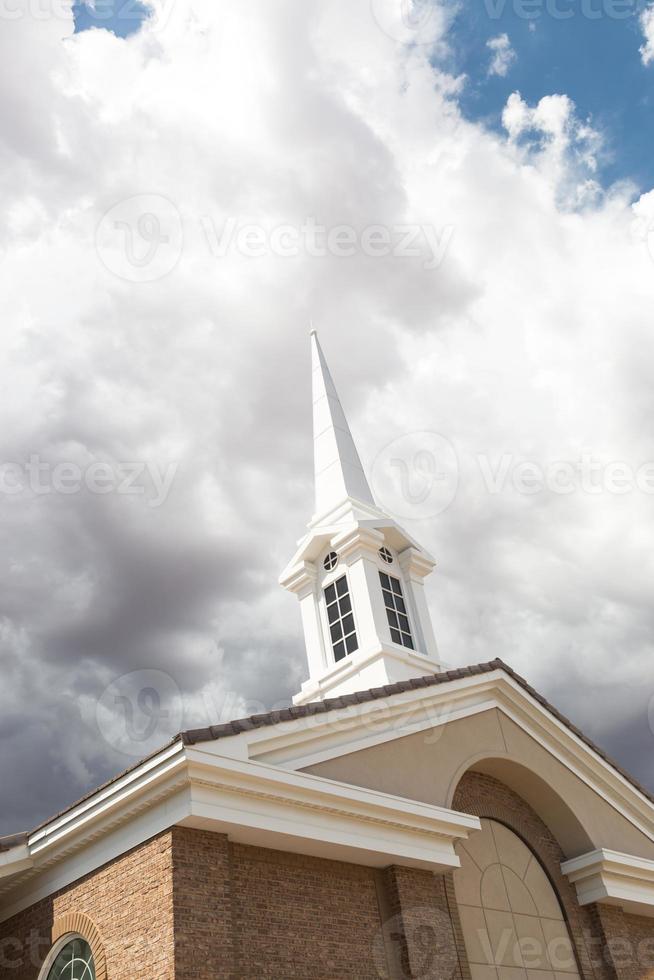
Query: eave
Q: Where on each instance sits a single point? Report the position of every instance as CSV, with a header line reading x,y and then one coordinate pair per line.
x,y
366,721
613,878
253,803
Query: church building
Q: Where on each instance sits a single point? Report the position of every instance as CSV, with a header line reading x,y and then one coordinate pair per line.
x,y
400,820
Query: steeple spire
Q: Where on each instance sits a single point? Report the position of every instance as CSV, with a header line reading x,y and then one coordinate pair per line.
x,y
358,575
338,471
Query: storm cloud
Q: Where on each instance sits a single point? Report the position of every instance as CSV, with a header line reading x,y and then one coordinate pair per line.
x,y
527,345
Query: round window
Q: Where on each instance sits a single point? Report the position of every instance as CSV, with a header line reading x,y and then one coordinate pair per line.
x,y
331,561
74,961
386,556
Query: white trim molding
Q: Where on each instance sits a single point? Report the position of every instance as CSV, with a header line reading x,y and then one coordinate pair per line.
x,y
613,878
250,786
252,802
303,742
295,811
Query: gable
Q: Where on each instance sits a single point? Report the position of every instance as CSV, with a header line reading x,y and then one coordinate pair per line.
x,y
428,765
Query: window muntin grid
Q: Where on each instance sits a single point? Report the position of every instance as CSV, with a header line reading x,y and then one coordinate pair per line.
x,y
74,962
342,630
396,612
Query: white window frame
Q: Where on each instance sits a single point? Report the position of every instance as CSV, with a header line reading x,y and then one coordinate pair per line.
x,y
393,570
329,578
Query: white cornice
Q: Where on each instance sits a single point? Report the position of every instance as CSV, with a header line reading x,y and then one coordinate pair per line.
x,y
613,878
251,802
416,563
299,578
317,738
357,540
269,806
249,786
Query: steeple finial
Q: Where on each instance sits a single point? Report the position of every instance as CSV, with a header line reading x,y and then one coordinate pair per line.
x,y
338,471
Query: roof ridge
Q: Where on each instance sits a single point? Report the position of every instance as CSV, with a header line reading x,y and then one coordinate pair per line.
x,y
262,720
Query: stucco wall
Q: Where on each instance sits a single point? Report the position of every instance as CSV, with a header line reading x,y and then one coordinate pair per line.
x,y
428,765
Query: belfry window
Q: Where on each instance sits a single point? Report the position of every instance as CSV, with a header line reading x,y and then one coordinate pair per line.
x,y
341,621
396,610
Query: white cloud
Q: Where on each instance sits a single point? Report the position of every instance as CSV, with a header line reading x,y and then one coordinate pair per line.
x,y
563,146
647,27
504,57
532,338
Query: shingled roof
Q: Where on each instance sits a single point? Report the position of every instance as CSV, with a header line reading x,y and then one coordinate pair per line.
x,y
214,732
230,729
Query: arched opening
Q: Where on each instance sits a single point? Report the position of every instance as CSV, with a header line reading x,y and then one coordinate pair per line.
x,y
511,917
563,822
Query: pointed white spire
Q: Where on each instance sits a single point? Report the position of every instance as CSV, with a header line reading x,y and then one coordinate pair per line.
x,y
337,468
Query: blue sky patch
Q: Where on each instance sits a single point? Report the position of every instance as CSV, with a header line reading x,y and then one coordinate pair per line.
x,y
123,17
586,49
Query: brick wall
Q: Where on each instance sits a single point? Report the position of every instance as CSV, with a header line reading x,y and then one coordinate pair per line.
x,y
625,943
190,905
202,905
296,916
128,900
421,936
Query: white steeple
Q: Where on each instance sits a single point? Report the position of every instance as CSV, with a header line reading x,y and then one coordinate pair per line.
x,y
338,472
358,575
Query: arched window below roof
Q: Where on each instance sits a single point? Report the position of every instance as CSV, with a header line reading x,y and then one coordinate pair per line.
x,y
71,958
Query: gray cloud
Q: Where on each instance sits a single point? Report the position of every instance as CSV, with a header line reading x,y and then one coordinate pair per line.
x,y
521,342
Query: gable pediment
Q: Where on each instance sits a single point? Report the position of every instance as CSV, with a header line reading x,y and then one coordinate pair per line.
x,y
418,743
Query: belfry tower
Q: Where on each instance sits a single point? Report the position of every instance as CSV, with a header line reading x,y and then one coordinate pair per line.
x,y
358,575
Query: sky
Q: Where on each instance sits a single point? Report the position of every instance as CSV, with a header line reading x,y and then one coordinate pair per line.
x,y
463,207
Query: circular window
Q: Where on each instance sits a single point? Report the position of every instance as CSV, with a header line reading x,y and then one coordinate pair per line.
x,y
386,556
74,961
331,561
